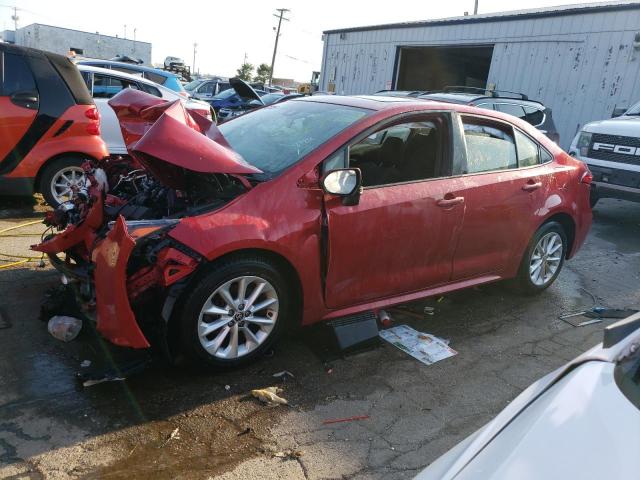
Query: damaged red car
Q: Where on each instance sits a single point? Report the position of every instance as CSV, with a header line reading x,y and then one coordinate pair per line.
x,y
214,241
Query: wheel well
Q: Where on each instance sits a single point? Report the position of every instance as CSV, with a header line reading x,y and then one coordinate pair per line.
x,y
289,271
568,225
82,156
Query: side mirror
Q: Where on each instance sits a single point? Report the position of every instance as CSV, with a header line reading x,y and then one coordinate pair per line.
x,y
344,182
618,112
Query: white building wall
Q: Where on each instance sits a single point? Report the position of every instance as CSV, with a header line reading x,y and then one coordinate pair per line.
x,y
581,65
60,40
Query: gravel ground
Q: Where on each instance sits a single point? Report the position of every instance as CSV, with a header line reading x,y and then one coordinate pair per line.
x,y
176,423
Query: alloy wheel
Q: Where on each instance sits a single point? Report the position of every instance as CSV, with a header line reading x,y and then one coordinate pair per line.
x,y
238,317
546,258
65,182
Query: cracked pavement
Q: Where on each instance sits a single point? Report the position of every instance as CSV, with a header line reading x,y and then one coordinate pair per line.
x,y
51,427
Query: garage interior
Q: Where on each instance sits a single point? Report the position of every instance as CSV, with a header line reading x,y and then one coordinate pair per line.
x,y
433,68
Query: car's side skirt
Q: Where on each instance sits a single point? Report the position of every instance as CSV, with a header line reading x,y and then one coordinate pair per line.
x,y
409,297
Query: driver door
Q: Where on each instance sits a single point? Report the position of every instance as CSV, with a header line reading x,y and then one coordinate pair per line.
x,y
401,236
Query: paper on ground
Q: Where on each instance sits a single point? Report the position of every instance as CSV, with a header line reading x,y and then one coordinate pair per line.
x,y
422,346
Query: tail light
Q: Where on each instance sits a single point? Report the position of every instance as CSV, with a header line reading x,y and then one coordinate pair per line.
x,y
92,113
93,128
587,178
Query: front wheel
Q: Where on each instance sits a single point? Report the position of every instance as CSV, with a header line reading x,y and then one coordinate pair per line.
x,y
543,259
60,179
235,314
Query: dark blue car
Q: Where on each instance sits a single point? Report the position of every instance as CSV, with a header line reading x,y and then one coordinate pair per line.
x,y
230,99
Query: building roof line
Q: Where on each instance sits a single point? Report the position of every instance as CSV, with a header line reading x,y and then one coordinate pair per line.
x,y
82,31
502,16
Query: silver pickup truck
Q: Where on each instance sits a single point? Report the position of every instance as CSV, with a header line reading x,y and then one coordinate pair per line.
x,y
611,149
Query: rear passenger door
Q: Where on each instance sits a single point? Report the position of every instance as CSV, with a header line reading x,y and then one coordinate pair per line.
x,y
19,103
503,186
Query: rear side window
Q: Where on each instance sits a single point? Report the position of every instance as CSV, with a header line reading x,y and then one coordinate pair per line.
x,y
534,116
511,109
150,90
207,88
16,75
490,145
154,77
528,151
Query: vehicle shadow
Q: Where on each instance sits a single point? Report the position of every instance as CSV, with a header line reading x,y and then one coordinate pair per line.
x,y
22,207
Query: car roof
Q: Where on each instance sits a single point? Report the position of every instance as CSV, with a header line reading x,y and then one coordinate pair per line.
x,y
466,98
132,66
126,76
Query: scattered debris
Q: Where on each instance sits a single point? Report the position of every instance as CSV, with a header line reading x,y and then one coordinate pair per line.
x,y
175,435
85,363
595,315
245,431
64,328
384,318
328,368
283,374
429,310
355,330
269,395
342,420
289,454
227,387
424,347
106,378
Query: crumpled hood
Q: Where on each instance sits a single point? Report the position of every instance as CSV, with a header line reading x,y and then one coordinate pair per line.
x,y
626,126
165,139
244,90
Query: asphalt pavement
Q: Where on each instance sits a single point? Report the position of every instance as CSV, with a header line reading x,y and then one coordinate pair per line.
x,y
179,423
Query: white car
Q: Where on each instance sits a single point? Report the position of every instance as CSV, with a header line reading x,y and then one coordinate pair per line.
x,y
581,421
104,84
611,149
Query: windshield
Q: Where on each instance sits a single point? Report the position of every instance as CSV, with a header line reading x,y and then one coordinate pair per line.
x,y
224,94
634,110
269,98
278,136
192,85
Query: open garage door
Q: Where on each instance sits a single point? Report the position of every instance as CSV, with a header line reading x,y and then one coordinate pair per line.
x,y
433,68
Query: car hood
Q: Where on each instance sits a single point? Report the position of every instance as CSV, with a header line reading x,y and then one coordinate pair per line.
x,y
463,457
626,126
245,90
165,139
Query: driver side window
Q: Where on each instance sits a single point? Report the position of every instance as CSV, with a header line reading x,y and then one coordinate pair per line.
x,y
405,152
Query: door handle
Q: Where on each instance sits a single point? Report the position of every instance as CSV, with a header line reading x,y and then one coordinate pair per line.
x,y
449,202
25,99
531,186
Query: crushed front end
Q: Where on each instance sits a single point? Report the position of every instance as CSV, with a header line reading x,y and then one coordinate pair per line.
x,y
113,243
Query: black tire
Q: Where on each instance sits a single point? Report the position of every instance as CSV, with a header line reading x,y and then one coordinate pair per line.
x,y
523,282
50,171
218,274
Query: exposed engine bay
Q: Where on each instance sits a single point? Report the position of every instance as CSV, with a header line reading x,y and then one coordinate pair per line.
x,y
132,192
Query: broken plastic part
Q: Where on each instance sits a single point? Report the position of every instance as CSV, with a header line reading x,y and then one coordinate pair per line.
x,y
64,328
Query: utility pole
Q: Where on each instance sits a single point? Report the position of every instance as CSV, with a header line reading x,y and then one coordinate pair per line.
x,y
193,65
15,18
280,17
475,7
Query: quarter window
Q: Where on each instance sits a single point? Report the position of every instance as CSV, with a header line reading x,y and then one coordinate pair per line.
x,y
150,90
534,116
17,76
106,87
528,151
490,145
405,152
154,77
511,109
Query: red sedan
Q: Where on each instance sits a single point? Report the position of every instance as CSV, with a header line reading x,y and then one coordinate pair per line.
x,y
217,240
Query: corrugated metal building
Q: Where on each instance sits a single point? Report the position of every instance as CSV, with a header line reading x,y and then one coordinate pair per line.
x,y
581,60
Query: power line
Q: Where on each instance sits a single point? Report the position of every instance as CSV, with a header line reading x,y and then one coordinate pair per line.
x,y
275,46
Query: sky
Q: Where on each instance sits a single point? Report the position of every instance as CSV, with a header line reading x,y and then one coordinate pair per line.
x,y
226,31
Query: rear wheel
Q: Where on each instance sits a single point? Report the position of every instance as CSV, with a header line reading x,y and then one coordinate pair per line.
x,y
60,179
543,259
235,314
